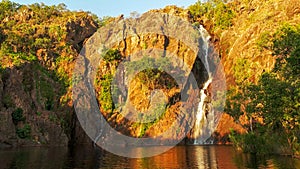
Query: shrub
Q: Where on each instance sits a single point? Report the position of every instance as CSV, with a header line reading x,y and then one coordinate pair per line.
x,y
149,64
215,10
24,132
242,71
42,43
55,31
265,41
7,101
223,15
38,113
7,8
47,92
111,55
17,115
105,96
251,142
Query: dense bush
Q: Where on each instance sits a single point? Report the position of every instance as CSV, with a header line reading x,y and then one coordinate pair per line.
x,y
153,72
216,11
103,81
7,8
105,95
149,64
251,142
17,115
110,55
24,132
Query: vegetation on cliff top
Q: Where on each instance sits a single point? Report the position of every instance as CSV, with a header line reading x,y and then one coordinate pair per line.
x,y
216,11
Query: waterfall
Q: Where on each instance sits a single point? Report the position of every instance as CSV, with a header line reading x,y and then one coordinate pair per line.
x,y
204,126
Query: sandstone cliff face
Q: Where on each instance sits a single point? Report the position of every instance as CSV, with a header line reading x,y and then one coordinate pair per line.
x,y
138,92
46,104
140,40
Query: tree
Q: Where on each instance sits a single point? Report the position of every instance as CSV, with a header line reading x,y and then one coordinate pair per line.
x,y
276,97
61,7
215,10
7,8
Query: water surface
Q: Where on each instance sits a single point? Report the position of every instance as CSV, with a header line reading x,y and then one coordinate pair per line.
x,y
179,157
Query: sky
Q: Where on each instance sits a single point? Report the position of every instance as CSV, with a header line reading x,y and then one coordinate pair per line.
x,y
113,7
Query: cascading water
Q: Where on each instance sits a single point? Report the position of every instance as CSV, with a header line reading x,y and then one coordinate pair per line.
x,y
204,127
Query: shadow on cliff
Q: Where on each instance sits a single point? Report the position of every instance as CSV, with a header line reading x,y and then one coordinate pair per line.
x,y
36,108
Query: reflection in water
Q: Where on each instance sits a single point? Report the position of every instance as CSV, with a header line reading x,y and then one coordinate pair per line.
x,y
180,157
32,158
253,161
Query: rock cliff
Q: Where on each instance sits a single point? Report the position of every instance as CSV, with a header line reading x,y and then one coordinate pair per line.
x,y
39,45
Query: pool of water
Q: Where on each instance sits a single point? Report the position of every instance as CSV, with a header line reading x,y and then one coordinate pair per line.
x,y
179,157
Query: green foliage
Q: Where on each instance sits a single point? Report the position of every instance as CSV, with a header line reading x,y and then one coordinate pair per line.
x,y
45,88
7,101
42,43
265,41
55,31
251,142
38,113
148,64
157,113
242,71
105,94
37,27
152,72
144,45
44,12
7,8
100,21
1,70
286,40
2,36
276,96
47,92
223,15
286,45
53,118
19,58
25,132
111,55
103,21
155,116
214,10
61,7
199,9
26,29
17,115
61,73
